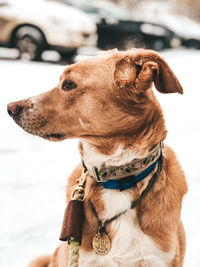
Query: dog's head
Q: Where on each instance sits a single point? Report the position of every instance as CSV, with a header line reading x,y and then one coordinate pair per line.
x,y
106,96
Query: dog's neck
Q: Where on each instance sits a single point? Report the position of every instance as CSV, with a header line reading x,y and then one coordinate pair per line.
x,y
120,156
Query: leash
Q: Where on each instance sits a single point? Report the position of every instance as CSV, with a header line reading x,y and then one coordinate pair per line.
x,y
73,221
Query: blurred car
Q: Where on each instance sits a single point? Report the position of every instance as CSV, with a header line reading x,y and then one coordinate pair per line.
x,y
38,25
128,33
116,29
186,29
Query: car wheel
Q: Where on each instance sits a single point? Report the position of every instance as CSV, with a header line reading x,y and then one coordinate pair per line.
x,y
158,45
134,42
68,56
194,44
30,43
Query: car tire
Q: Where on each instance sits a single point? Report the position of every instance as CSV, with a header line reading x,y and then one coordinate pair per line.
x,y
68,56
135,41
158,45
30,43
193,44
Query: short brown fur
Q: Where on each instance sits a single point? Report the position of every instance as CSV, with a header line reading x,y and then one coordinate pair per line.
x,y
117,107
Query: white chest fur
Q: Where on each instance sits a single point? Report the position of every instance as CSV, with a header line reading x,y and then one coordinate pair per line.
x,y
130,246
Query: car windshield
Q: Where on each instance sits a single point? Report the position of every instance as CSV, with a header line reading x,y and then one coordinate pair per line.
x,y
183,26
114,12
183,23
102,8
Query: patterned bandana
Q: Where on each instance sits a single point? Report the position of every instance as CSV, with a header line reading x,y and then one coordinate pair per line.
x,y
134,168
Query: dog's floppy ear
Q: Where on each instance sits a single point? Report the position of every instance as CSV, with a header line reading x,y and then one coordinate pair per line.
x,y
145,67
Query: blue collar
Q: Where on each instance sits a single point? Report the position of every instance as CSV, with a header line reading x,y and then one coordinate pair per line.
x,y
130,181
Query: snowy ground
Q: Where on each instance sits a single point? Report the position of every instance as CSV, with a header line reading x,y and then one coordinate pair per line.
x,y
33,172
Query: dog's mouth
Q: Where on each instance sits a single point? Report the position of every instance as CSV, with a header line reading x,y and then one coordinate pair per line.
x,y
37,127
52,136
58,136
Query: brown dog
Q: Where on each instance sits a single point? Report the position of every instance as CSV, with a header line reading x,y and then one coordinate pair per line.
x,y
107,102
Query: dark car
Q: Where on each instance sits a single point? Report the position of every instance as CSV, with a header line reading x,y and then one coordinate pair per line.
x,y
129,33
116,29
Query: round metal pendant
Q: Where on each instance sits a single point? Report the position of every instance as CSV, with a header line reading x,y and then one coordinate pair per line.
x,y
101,243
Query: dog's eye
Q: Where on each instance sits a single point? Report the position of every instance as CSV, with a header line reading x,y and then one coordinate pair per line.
x,y
68,85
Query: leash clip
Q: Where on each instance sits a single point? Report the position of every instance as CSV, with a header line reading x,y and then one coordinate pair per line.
x,y
79,190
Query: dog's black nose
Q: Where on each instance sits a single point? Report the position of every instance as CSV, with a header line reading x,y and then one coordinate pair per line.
x,y
14,109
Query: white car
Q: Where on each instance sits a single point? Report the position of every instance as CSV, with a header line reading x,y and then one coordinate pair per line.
x,y
187,30
38,25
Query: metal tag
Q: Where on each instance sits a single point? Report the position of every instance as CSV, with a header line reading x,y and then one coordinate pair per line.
x,y
101,243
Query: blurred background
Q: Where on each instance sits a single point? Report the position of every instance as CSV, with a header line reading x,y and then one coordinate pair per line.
x,y
63,30
37,39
